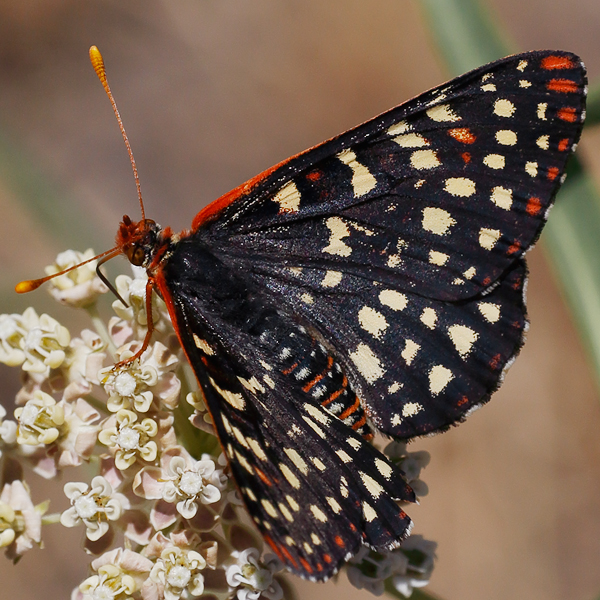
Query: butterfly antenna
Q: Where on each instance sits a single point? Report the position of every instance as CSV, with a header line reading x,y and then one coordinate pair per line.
x,y
98,64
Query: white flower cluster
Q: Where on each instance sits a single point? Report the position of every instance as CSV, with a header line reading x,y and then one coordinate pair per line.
x,y
158,482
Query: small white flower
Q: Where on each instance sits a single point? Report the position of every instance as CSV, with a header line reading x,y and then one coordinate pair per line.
x,y
40,421
93,505
178,571
77,288
8,430
411,463
136,385
38,343
130,439
110,583
188,485
252,578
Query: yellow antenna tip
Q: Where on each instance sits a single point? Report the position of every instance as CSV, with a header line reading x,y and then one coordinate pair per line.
x,y
98,63
27,286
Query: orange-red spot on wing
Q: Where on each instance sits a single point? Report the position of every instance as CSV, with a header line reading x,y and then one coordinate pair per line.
x,y
350,410
288,371
336,394
263,477
466,156
462,401
353,527
274,547
339,541
563,145
319,567
564,86
495,362
534,205
327,558
556,62
360,423
568,114
487,281
287,554
513,248
553,173
318,378
306,565
462,134
314,175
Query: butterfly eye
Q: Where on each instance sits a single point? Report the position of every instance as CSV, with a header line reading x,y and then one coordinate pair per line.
x,y
136,255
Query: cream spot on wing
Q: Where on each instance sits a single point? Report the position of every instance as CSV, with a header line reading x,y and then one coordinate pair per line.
x,y
504,108
239,436
410,409
242,460
411,140
331,279
463,339
502,197
362,179
307,299
531,168
338,231
494,161
297,271
437,220
396,420
269,508
256,448
367,363
372,486
265,365
315,539
419,183
252,384
439,378
442,114
469,273
460,186
522,65
293,504
318,513
307,548
410,351
297,460
369,512
289,475
314,427
438,258
424,159
524,83
543,142
316,414
288,198
428,318
269,381
334,504
392,389
393,299
250,494
203,345
490,311
318,463
344,456
236,400
400,127
372,321
384,468
488,237
354,443
541,110
506,137
488,87
286,513
393,260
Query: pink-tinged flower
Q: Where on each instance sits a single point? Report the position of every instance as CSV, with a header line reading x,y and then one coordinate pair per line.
x,y
8,430
178,573
20,520
119,574
86,357
138,384
252,578
38,343
130,440
93,505
77,288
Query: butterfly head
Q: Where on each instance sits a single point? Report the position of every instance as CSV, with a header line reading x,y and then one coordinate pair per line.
x,y
139,240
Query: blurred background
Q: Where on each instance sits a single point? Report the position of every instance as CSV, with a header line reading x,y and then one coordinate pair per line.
x,y
213,92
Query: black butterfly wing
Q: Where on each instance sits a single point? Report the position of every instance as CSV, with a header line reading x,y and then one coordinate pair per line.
x,y
434,202
315,488
438,196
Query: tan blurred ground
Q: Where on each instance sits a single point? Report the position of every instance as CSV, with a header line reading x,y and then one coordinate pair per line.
x,y
214,91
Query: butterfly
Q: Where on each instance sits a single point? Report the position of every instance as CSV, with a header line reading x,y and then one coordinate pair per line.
x,y
373,283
